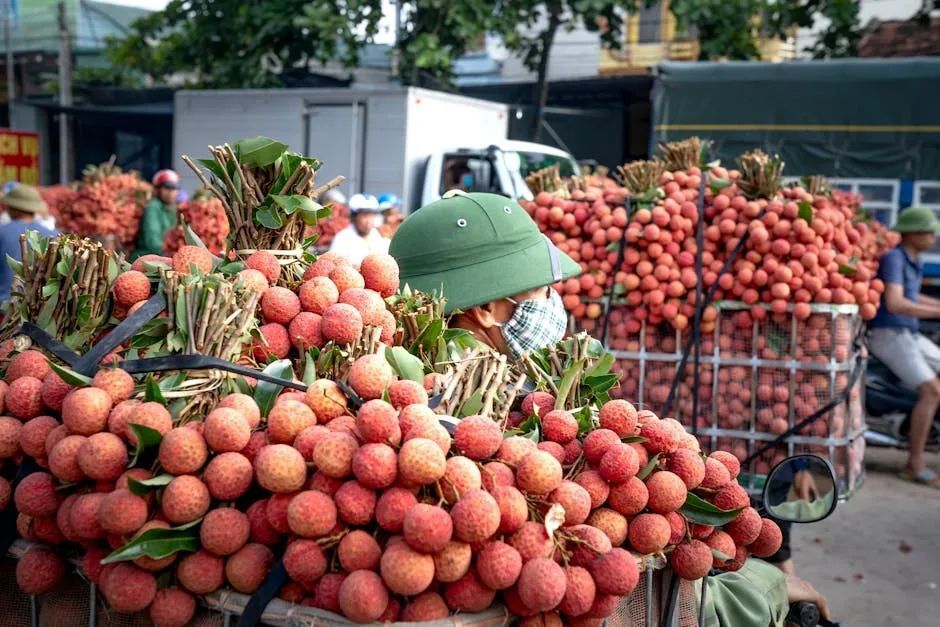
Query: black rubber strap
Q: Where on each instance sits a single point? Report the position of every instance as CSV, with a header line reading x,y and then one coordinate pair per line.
x,y
88,364
52,345
268,589
201,362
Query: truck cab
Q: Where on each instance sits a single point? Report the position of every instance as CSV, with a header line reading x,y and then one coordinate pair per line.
x,y
500,168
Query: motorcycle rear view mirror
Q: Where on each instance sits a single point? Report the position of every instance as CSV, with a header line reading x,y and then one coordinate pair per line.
x,y
801,489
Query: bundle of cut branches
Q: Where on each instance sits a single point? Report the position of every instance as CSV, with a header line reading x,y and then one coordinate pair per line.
x,y
760,174
682,155
641,176
548,180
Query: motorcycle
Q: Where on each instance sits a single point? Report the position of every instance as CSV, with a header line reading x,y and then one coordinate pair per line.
x,y
888,407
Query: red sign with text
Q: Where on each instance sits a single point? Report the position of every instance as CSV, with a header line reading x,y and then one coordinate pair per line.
x,y
19,157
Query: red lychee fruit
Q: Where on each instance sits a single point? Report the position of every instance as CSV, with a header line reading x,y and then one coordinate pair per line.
x,y
85,410
375,465
667,492
593,542
370,376
367,302
649,533
285,421
245,405
36,495
420,461
729,461
116,382
613,524
596,486
678,525
476,516
63,460
380,273
304,331
29,363
247,568
129,589
731,496
468,594
574,499
688,465
253,280
266,263
498,565
537,403
334,454
228,476
579,593
355,503
768,540
23,398
460,476
452,562
716,475
377,421
201,572
691,560
597,443
318,294
359,551
615,572
403,392
532,540
280,468
185,499
183,451
54,390
103,457
280,305
391,508
363,597
559,426
152,415
341,324
619,463
427,606
619,416
172,607
542,584
427,528
326,400
660,437
190,259
305,562
39,571
406,571
478,437
311,514
629,497
745,528
122,512
538,473
224,530
346,278
274,342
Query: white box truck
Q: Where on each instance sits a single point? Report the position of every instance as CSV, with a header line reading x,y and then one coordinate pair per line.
x,y
411,142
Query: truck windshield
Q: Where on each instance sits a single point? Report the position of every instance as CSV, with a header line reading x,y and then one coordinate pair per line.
x,y
529,162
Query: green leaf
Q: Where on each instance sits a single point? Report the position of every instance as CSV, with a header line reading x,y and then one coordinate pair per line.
x,y
405,365
567,381
850,268
472,405
266,392
601,384
44,318
158,544
701,512
147,439
37,241
269,217
192,238
213,166
142,487
231,268
585,420
633,439
50,288
805,211
310,366
717,183
69,376
428,337
724,557
601,366
152,391
259,151
649,467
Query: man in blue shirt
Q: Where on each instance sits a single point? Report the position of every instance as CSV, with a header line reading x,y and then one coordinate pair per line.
x,y
23,204
895,338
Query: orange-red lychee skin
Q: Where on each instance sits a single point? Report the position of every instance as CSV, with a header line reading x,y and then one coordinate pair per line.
x,y
201,572
317,294
542,584
334,454
53,392
579,592
615,572
532,540
574,499
276,342
311,514
731,496
327,592
433,431
355,503
691,560
29,363
461,476
716,475
406,571
649,533
678,525
375,465
228,476
346,277
667,492
286,420
185,499
768,540
559,426
403,392
476,516
628,498
358,550
745,528
131,287
224,530
23,398
260,528
129,589
116,382
341,324
619,463
63,459
688,465
247,568
427,606
415,414
122,512
103,457
172,607
279,304
597,443
326,400
253,280
188,256
36,495
498,565
244,404
723,543
619,416
377,421
266,263
421,461
85,410
39,571
391,507
363,597
305,332
468,594
596,486
612,523
305,562
729,461
183,451
151,414
370,376
427,528
153,259
478,437
367,302
452,562
660,437
380,273
514,448
543,401
538,473
593,542
280,468
497,474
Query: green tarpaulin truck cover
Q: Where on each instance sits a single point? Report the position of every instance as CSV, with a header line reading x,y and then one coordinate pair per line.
x,y
858,118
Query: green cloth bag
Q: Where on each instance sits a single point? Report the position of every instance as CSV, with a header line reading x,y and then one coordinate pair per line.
x,y
755,596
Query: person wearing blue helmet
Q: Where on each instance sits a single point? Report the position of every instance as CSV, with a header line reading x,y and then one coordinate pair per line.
x,y
388,202
361,238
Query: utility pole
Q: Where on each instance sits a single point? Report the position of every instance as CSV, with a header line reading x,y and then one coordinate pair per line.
x,y
65,96
8,46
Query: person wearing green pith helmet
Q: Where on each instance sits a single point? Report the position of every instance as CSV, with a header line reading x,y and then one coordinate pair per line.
x,y
487,258
894,334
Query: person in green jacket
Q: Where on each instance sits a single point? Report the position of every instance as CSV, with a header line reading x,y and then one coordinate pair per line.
x,y
159,215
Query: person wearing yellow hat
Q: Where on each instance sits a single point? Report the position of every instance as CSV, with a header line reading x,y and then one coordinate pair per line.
x,y
894,336
24,206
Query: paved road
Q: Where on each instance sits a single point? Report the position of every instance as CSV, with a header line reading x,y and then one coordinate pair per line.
x,y
877,558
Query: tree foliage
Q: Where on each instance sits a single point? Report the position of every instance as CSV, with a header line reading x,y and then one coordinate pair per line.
x,y
233,43
732,29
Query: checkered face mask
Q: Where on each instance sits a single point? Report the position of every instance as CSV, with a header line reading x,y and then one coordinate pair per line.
x,y
536,323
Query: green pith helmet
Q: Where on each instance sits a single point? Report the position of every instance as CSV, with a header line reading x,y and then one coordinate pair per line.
x,y
24,198
917,220
476,248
